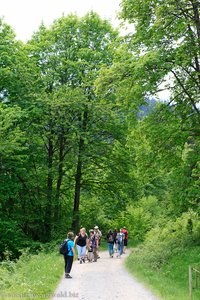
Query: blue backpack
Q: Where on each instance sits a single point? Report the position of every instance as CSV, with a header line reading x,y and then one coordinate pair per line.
x,y
120,238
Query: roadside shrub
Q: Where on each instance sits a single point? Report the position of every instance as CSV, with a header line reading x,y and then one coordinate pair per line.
x,y
12,239
162,243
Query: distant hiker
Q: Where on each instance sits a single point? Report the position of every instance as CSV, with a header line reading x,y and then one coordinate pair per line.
x,y
90,254
125,232
120,239
98,235
68,257
110,240
115,239
81,241
93,244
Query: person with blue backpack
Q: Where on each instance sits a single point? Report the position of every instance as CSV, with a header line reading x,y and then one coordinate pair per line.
x,y
67,249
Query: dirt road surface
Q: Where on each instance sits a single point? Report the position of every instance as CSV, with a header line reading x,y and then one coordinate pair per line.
x,y
106,279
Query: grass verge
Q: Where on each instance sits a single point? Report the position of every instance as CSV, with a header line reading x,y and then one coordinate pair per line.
x,y
32,276
170,281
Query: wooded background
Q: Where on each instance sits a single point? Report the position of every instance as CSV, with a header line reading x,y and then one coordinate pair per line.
x,y
84,139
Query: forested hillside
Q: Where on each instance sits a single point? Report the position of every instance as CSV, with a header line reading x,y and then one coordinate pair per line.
x,y
74,147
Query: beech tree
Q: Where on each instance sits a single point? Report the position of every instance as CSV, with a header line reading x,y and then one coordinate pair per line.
x,y
70,55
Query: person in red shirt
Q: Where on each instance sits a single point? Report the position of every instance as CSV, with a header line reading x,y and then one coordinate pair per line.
x,y
125,232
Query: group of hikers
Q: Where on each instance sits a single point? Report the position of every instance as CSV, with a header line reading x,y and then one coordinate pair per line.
x,y
88,246
117,241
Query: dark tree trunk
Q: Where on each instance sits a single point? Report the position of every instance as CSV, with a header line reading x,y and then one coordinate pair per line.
x,y
48,212
78,177
195,6
75,223
57,213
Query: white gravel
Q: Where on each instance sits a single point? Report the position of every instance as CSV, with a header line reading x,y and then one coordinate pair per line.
x,y
105,279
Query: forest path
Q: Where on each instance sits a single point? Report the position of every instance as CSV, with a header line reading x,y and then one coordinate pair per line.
x,y
106,279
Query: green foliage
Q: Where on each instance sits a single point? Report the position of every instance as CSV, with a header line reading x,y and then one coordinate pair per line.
x,y
141,218
74,151
54,128
12,239
163,146
162,243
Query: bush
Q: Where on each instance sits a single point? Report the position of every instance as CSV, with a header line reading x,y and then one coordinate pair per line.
x,y
162,243
139,218
12,239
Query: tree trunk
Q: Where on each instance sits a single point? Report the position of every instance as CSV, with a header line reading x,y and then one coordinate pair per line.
x,y
78,176
195,6
48,212
75,223
57,212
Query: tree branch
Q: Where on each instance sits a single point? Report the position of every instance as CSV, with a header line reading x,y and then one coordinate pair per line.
x,y
185,91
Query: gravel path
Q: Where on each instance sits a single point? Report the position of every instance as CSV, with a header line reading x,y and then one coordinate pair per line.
x,y
106,279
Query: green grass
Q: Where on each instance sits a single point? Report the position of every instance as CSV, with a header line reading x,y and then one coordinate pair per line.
x,y
33,275
170,282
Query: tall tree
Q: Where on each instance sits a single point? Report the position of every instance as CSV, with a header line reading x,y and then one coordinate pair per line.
x,y
167,43
70,55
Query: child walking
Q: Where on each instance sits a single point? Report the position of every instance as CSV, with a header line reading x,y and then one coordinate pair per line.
x,y
90,255
68,258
